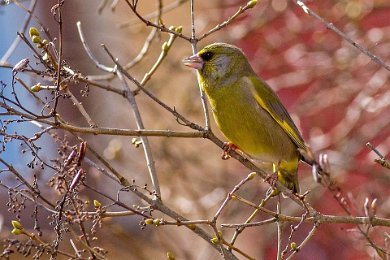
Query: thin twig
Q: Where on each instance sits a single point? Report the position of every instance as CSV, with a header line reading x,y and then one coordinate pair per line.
x,y
252,224
249,219
144,50
37,20
165,9
29,91
194,42
225,23
154,98
59,61
89,52
232,247
331,26
81,108
382,160
162,28
164,52
145,141
330,219
305,241
106,131
113,174
230,194
23,29
159,205
25,182
98,85
279,228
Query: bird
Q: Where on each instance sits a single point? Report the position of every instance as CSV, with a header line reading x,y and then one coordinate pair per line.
x,y
249,113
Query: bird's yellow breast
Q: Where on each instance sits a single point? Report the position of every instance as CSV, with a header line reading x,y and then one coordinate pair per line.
x,y
247,125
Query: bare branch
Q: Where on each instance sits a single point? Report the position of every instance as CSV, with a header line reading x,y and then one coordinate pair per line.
x,y
331,26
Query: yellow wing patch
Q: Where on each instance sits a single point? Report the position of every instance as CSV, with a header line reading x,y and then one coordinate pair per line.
x,y
276,109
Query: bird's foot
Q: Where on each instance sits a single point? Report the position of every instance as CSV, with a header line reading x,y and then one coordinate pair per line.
x,y
272,178
227,147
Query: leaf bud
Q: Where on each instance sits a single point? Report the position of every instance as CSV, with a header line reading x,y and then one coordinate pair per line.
x,y
36,39
149,221
293,246
97,204
16,224
33,32
36,88
251,3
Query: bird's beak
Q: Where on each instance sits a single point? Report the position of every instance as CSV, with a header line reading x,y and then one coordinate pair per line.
x,y
194,62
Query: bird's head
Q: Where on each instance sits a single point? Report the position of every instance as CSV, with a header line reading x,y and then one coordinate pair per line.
x,y
218,62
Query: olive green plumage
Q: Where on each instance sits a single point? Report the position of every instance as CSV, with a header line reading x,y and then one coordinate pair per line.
x,y
248,112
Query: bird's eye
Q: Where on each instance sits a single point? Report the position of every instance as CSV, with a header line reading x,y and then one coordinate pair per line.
x,y
207,56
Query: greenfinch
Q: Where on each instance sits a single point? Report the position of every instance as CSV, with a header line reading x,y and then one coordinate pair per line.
x,y
248,112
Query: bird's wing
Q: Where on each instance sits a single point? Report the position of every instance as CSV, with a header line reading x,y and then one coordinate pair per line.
x,y
275,108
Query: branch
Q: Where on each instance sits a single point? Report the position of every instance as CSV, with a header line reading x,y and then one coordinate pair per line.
x,y
165,9
194,51
382,160
81,108
162,28
16,42
330,26
25,182
89,52
145,141
242,9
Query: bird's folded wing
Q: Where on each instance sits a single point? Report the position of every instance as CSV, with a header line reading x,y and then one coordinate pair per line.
x,y
274,107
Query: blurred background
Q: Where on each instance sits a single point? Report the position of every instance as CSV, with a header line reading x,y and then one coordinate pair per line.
x,y
337,96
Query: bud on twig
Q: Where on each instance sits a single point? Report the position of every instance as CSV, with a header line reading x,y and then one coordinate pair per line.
x,y
82,151
149,221
293,246
18,228
366,207
251,175
97,204
76,179
373,207
170,256
251,4
33,32
136,142
36,39
16,224
21,65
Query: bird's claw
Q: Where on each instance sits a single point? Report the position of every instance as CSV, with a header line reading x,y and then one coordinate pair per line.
x,y
271,178
227,147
